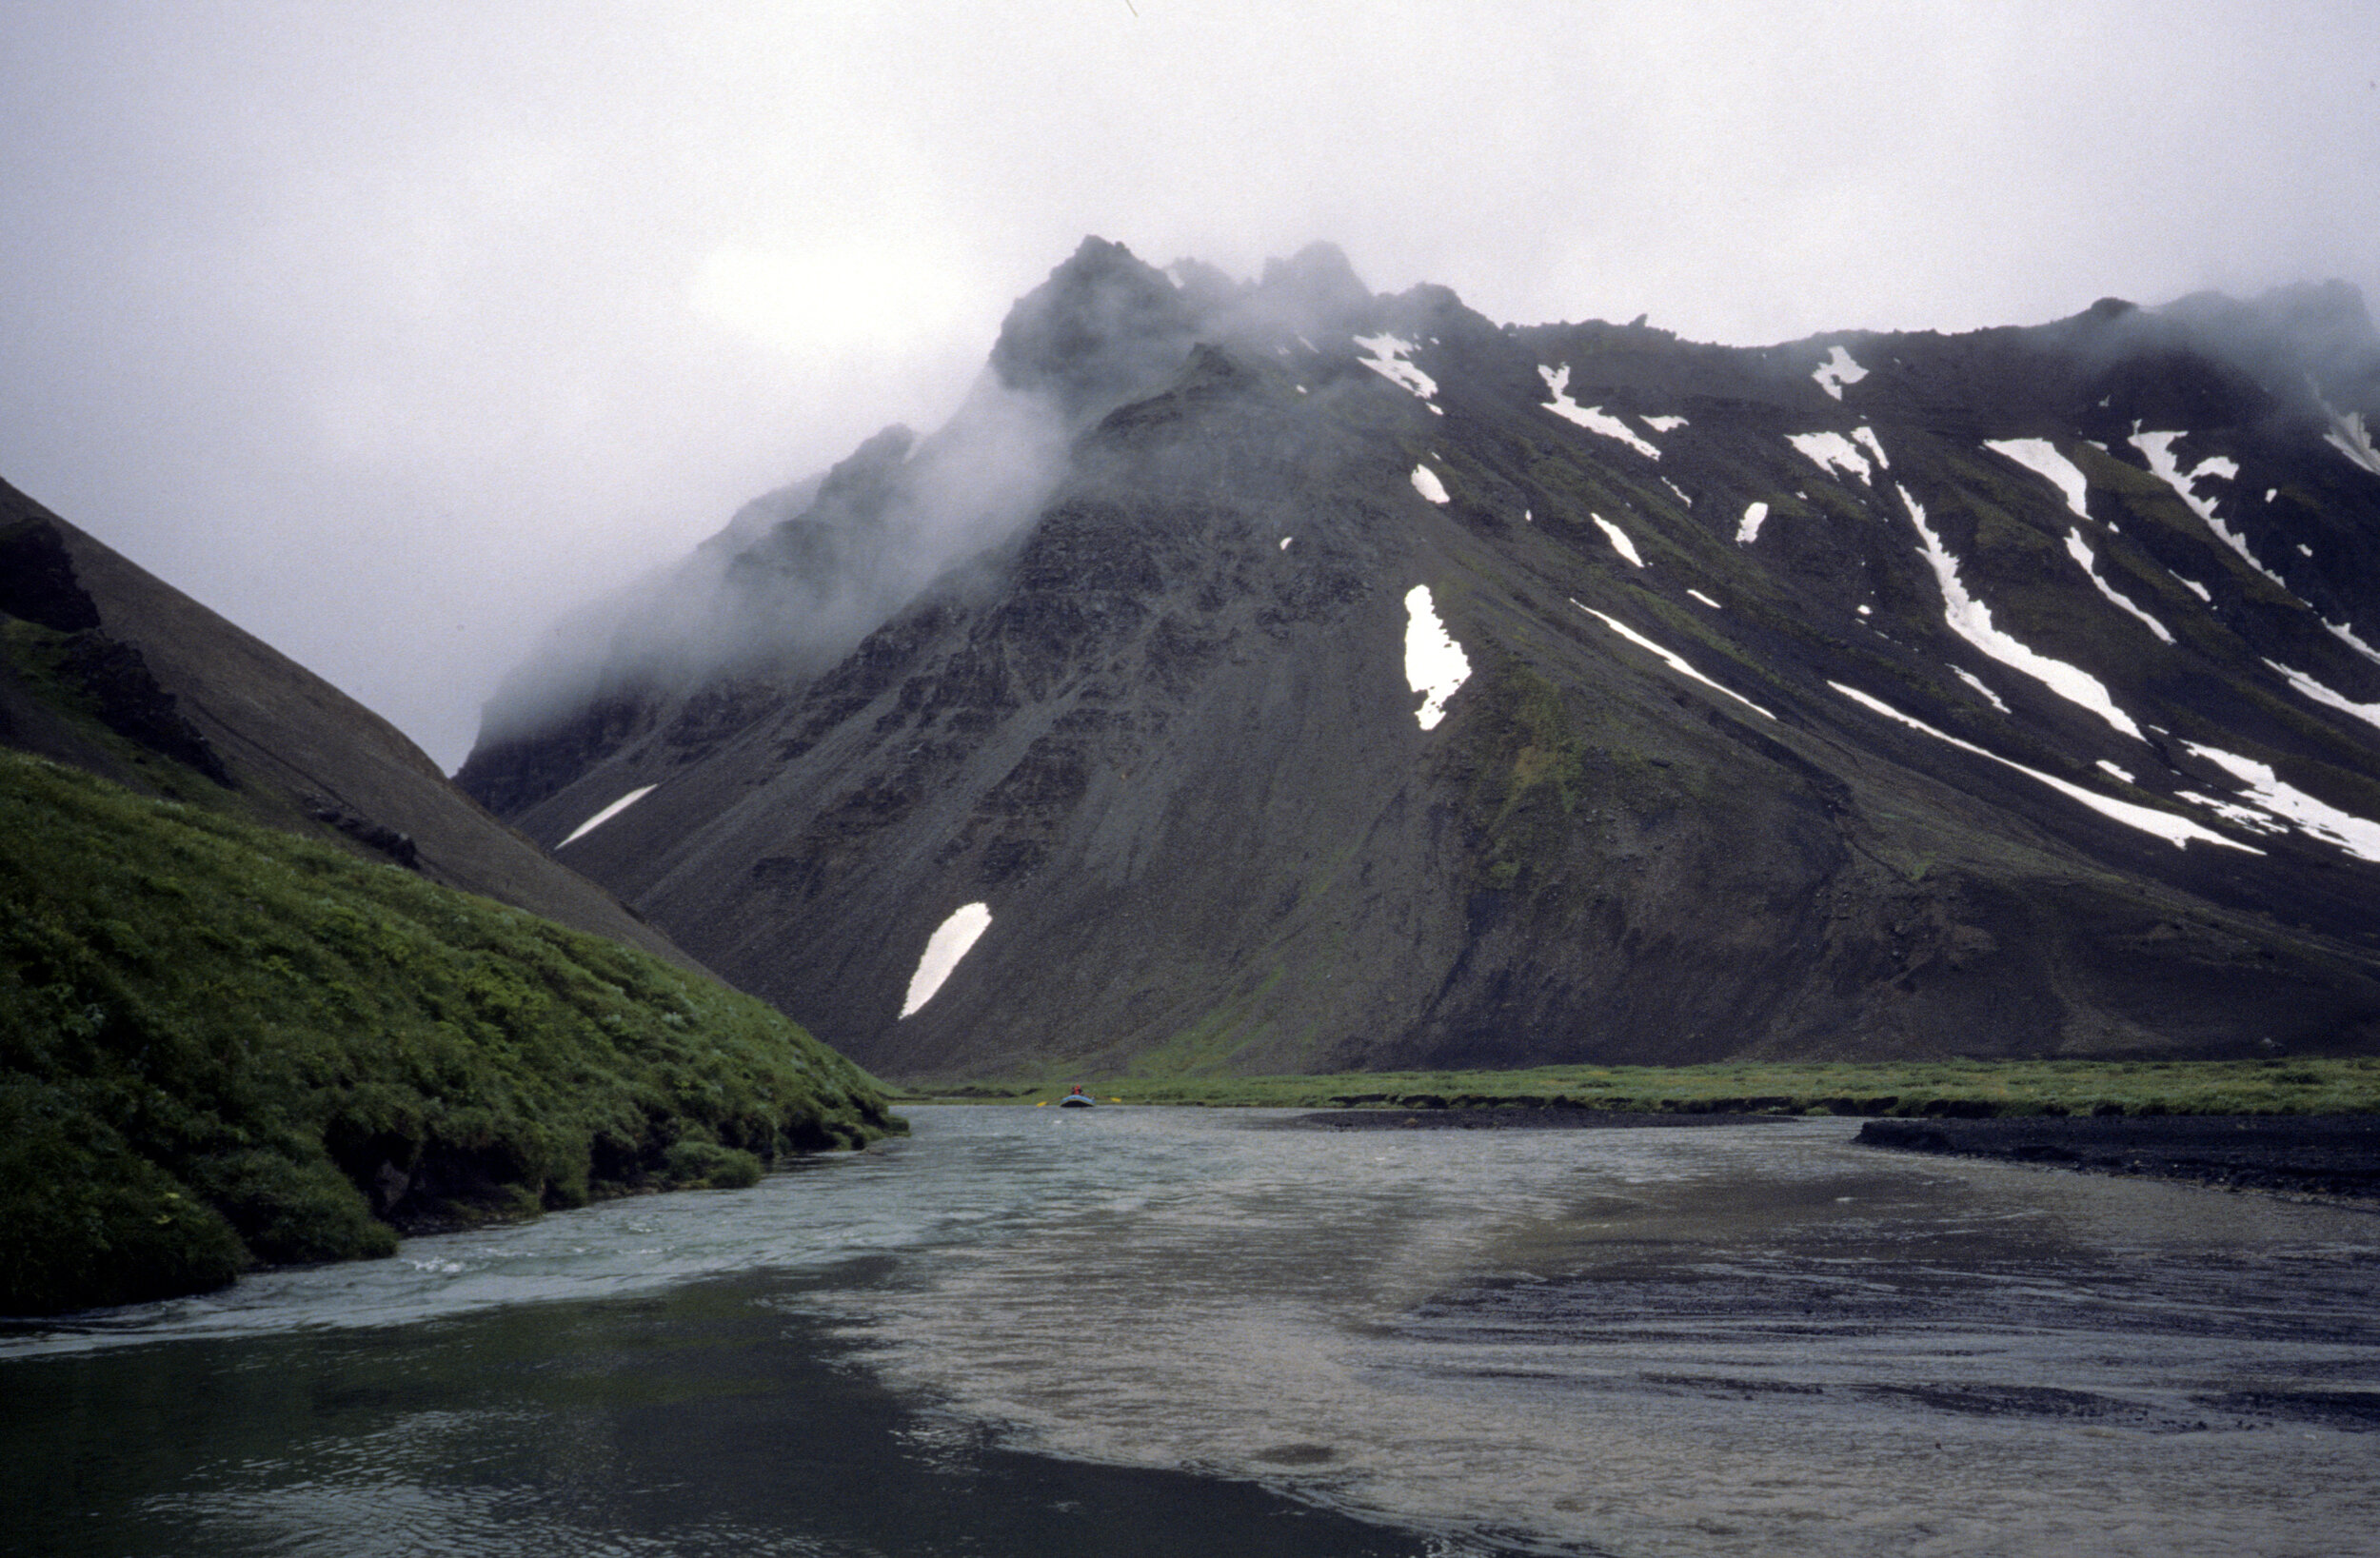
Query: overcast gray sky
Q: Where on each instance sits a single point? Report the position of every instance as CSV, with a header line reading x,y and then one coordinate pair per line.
x,y
392,329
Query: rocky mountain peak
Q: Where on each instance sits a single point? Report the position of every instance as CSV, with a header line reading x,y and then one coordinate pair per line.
x,y
861,475
1103,323
2307,350
848,511
1357,681
1320,286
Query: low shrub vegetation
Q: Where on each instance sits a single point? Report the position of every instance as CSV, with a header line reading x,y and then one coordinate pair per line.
x,y
222,1045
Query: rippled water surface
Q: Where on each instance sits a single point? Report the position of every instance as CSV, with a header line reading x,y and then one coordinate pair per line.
x,y
1125,1330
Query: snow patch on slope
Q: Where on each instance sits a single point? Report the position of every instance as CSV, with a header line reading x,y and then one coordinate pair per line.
x,y
2231,811
1673,662
1837,371
1748,531
1621,543
2351,438
952,939
1972,621
1593,418
2308,687
1425,481
2080,551
2158,449
2316,819
1664,425
1832,451
2346,634
2041,455
2177,831
1977,682
607,814
1389,359
1435,664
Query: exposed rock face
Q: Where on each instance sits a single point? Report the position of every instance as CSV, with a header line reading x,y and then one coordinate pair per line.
x,y
1104,326
1998,693
37,581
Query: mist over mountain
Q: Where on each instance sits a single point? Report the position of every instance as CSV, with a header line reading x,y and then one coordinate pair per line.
x,y
1272,676
798,576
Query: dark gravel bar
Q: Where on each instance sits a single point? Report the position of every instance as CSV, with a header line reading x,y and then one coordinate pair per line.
x,y
2311,1155
1435,1118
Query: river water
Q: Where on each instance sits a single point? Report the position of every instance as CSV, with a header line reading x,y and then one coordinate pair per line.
x,y
1154,1331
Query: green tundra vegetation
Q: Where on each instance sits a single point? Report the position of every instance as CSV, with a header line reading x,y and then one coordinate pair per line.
x,y
2287,1085
222,1045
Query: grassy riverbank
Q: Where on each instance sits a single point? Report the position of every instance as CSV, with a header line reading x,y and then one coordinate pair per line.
x,y
222,1045
1957,1088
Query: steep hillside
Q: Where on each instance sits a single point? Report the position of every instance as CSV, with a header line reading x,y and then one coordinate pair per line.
x,y
222,1045
1364,683
106,667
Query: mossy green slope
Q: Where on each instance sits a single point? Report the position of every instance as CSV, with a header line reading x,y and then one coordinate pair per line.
x,y
221,1045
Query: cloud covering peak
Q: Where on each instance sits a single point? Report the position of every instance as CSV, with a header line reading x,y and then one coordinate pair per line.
x,y
351,318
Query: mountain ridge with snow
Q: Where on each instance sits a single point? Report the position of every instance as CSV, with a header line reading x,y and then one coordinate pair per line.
x,y
1884,693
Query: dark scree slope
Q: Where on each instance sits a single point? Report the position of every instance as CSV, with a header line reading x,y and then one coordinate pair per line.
x,y
2008,693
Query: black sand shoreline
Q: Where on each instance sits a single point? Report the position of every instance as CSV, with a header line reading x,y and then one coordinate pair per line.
x,y
2336,1155
2302,1154
1467,1118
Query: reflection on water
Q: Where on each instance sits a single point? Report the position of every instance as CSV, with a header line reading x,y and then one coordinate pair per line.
x,y
1024,1332
1712,1341
694,1421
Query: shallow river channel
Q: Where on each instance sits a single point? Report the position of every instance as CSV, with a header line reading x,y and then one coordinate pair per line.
x,y
1157,1332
